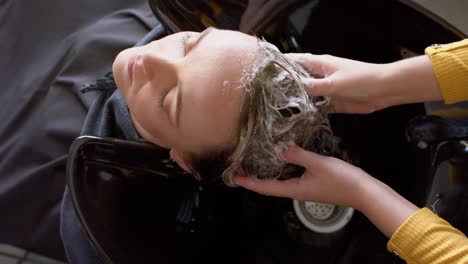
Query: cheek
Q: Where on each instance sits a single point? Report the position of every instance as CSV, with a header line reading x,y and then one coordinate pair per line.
x,y
152,123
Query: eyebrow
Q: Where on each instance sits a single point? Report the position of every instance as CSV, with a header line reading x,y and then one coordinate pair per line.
x,y
180,86
202,35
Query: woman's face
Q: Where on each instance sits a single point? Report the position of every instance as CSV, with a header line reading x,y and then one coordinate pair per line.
x,y
183,91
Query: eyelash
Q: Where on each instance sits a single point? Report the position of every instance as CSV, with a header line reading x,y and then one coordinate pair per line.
x,y
160,99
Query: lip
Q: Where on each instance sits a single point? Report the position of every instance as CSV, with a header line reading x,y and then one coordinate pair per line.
x,y
130,67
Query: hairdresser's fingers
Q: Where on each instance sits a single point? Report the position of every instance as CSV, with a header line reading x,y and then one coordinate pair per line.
x,y
269,187
315,65
304,158
317,87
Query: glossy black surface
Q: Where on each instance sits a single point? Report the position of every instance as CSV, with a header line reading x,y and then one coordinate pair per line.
x,y
135,205
138,217
110,180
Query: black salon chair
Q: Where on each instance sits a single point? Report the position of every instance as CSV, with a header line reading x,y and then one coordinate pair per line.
x,y
136,210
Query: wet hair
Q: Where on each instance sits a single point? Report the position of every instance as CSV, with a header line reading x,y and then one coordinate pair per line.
x,y
276,111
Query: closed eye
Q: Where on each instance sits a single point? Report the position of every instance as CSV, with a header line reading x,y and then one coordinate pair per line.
x,y
161,98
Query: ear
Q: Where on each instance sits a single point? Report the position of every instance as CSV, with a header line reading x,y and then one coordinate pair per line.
x,y
182,161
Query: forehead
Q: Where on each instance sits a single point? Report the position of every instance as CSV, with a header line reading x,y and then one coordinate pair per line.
x,y
228,53
212,83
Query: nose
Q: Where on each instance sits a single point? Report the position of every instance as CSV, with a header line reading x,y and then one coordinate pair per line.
x,y
160,65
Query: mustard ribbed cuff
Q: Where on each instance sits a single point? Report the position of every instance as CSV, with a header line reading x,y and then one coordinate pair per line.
x,y
426,238
450,63
403,239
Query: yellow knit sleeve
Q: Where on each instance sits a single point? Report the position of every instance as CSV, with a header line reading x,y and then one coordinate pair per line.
x,y
426,238
450,63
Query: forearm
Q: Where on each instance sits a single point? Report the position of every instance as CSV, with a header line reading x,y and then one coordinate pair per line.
x,y
384,207
410,81
441,74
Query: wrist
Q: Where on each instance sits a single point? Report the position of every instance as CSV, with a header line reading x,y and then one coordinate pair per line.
x,y
392,85
385,75
384,207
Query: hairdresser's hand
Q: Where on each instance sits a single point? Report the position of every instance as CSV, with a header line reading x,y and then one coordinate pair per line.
x,y
326,179
359,87
334,181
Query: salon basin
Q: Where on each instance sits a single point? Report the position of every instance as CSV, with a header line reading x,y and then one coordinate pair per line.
x,y
135,216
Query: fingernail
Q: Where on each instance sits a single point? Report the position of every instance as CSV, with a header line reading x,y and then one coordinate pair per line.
x,y
306,80
281,147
